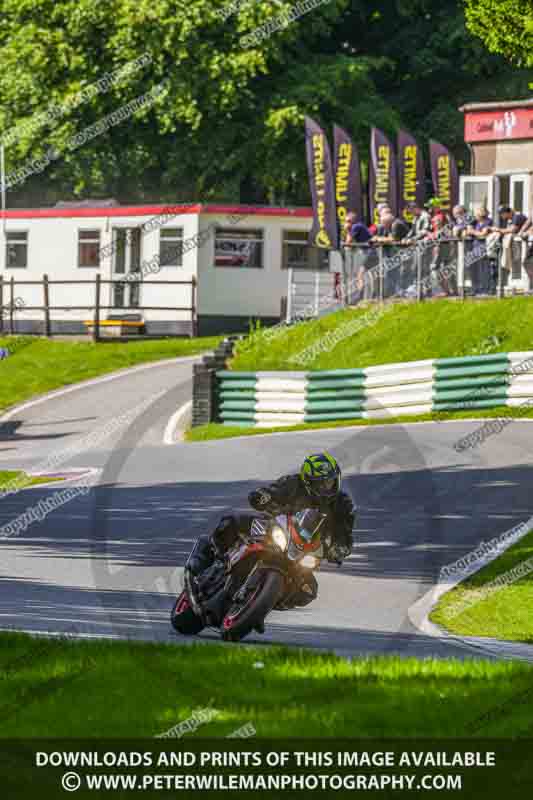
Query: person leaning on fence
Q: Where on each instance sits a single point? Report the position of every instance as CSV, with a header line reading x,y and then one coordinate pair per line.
x,y
460,221
356,233
526,232
391,231
511,224
480,268
440,280
421,224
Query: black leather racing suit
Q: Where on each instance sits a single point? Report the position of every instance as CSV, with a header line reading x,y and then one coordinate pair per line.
x,y
287,494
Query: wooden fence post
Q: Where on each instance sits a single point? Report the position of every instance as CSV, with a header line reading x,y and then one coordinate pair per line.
x,y
46,293
11,304
194,315
96,326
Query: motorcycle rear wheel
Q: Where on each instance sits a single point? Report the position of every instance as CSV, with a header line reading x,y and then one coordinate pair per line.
x,y
242,617
182,617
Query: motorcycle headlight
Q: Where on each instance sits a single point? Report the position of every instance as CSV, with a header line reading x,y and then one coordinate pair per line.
x,y
279,538
310,562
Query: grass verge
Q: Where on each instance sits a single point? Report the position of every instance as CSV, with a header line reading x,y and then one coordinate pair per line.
x,y
68,688
21,480
478,607
404,332
37,366
218,431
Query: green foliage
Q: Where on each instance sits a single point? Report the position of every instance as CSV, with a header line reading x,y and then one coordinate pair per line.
x,y
230,125
505,26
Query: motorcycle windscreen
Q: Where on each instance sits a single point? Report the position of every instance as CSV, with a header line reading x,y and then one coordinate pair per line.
x,y
308,523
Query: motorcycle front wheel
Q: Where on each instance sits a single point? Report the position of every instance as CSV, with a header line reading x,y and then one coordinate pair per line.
x,y
183,618
245,614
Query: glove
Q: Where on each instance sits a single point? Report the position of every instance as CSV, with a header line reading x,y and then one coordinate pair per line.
x,y
338,552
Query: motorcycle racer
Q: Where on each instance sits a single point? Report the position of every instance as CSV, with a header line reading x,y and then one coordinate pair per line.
x,y
317,485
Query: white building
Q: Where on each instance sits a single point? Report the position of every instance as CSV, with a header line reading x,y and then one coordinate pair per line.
x,y
238,255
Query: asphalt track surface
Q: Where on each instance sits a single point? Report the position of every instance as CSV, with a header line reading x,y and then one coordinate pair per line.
x,y
110,563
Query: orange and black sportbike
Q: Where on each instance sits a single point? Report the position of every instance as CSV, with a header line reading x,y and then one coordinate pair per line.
x,y
268,569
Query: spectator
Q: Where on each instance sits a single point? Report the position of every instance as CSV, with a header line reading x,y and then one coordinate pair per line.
x,y
421,224
356,231
526,231
439,217
481,273
511,223
391,229
479,228
460,221
440,272
381,210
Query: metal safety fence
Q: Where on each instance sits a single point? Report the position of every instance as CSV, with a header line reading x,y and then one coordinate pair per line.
x,y
451,267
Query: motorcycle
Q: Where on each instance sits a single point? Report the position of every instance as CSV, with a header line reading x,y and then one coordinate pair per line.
x,y
263,571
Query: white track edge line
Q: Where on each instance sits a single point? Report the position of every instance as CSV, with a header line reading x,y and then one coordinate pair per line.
x,y
420,610
94,382
172,424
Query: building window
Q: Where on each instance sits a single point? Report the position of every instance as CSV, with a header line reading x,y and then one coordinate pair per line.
x,y
89,248
171,247
238,248
298,254
126,250
16,249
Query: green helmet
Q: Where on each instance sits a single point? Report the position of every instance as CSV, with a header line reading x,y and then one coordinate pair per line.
x,y
321,475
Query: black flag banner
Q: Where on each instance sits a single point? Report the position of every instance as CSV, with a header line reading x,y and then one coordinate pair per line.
x,y
410,174
324,231
382,180
444,174
347,176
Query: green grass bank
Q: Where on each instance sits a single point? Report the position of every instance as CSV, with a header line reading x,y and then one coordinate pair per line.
x,y
73,688
497,601
404,332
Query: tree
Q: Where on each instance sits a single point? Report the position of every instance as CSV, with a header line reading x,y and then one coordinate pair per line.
x,y
229,125
194,140
505,27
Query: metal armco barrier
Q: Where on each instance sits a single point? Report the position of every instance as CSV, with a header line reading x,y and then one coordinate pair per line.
x,y
268,399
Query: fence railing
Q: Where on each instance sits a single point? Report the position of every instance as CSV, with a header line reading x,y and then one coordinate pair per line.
x,y
451,267
308,291
12,303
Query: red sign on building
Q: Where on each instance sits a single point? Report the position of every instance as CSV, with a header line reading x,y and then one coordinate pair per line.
x,y
491,126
